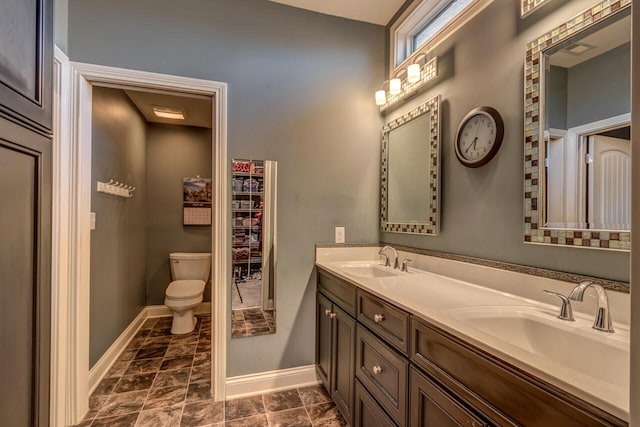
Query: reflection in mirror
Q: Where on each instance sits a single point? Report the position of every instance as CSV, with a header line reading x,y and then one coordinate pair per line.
x,y
411,171
253,247
587,147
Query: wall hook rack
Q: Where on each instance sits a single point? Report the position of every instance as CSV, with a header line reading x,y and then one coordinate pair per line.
x,y
115,188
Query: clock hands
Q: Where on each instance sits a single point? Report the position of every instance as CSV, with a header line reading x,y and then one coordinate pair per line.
x,y
473,144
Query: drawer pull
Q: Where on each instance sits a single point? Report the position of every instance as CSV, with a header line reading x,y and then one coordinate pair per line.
x,y
377,370
333,315
378,318
327,312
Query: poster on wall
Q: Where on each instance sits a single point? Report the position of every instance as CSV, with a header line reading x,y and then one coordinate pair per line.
x,y
196,200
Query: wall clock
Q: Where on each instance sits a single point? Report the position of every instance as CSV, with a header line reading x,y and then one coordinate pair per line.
x,y
479,137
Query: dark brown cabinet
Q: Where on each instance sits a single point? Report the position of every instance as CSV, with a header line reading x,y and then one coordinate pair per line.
x,y
335,349
367,412
26,46
26,61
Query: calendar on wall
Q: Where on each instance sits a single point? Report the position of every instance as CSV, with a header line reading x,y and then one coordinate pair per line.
x,y
196,201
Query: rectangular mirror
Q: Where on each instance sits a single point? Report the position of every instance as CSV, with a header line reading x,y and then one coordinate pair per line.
x,y
411,171
253,247
577,131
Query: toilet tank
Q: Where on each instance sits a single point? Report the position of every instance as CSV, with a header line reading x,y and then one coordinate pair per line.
x,y
190,266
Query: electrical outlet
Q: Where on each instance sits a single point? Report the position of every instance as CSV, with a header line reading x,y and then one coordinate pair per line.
x,y
339,234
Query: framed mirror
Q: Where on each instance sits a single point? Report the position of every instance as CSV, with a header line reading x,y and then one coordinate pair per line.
x,y
577,131
253,247
411,171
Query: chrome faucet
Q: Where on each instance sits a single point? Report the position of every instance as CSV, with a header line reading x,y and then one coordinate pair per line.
x,y
387,262
602,321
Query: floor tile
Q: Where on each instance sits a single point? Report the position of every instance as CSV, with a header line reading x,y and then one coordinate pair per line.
x,y
181,349
151,352
164,417
202,413
199,391
324,414
177,363
241,408
144,366
201,359
106,386
179,377
281,400
314,394
158,341
255,421
134,382
290,418
123,403
201,373
128,420
128,354
165,396
118,369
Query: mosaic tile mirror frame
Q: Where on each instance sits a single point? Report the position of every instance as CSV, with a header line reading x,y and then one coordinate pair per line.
x,y
534,230
429,180
528,6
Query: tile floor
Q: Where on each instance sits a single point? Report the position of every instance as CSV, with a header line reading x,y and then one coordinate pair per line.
x,y
252,322
165,380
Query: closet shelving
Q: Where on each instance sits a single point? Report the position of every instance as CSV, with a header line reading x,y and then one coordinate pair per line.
x,y
247,201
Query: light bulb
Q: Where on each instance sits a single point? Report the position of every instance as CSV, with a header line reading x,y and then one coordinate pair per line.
x,y
413,73
381,97
395,86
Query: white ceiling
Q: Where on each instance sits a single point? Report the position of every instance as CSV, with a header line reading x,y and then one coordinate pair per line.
x,y
374,11
197,108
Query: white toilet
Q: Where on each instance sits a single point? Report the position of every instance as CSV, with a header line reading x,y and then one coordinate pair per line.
x,y
190,272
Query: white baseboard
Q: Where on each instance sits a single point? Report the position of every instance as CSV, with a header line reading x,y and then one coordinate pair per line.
x,y
102,366
266,382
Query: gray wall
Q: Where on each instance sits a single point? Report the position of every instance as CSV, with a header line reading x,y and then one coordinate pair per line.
x,y
60,23
301,91
118,242
556,94
482,209
599,88
173,152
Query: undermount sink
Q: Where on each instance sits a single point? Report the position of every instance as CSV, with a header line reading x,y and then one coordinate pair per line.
x,y
573,345
367,270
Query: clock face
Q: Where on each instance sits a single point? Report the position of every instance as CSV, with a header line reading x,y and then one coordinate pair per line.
x,y
479,137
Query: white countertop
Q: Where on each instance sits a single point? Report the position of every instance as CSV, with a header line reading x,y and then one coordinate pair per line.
x,y
444,301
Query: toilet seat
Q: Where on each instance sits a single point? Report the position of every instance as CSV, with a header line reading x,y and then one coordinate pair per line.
x,y
185,289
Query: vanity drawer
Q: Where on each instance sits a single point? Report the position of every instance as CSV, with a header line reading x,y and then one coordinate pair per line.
x,y
384,373
500,391
338,290
391,323
367,411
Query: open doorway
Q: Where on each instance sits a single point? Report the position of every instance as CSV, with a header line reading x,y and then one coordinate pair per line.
x,y
76,336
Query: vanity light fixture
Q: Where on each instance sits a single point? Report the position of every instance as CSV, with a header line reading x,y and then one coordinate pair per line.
x,y
414,71
417,76
169,113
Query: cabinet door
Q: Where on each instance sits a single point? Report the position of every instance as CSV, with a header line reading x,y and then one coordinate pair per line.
x,y
342,378
25,254
26,61
367,412
431,406
323,339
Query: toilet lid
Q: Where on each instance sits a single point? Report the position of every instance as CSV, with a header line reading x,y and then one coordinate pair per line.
x,y
185,288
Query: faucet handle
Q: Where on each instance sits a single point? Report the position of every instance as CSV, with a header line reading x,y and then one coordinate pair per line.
x,y
405,265
566,312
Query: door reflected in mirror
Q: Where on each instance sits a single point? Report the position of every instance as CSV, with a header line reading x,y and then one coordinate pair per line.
x,y
253,247
587,144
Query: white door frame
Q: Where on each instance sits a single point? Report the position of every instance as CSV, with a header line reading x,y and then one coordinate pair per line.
x,y
73,333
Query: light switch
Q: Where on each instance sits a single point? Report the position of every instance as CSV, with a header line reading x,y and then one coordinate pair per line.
x,y
339,234
92,221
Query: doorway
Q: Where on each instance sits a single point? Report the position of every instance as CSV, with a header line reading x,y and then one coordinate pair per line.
x,y
74,333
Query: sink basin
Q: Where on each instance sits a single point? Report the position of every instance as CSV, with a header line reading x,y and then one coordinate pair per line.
x,y
573,345
367,270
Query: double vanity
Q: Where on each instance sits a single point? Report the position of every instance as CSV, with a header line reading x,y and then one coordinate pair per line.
x,y
422,347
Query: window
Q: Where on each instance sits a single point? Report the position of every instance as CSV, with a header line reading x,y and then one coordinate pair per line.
x,y
428,23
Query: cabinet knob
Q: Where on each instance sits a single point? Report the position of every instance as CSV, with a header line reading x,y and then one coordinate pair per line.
x,y
333,315
378,318
327,312
377,370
